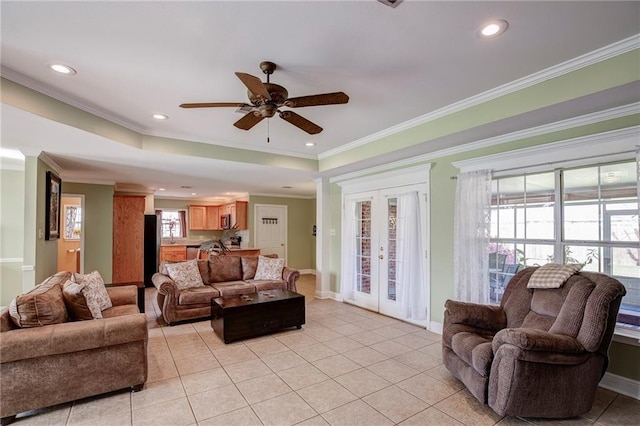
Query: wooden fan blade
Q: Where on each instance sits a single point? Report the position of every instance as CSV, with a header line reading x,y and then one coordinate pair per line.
x,y
214,104
248,121
315,100
254,85
300,122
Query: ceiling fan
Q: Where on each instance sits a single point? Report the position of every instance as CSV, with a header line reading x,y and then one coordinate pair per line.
x,y
267,99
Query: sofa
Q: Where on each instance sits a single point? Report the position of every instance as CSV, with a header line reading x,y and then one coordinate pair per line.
x,y
52,360
542,351
222,276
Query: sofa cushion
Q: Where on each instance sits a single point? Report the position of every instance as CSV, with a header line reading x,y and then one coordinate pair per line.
x,y
94,292
75,301
43,305
475,350
120,310
197,295
185,274
269,268
249,266
234,288
224,268
262,285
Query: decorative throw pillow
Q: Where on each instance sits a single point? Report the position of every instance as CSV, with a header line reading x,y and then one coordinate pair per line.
x,y
269,269
75,301
552,275
94,292
43,305
185,274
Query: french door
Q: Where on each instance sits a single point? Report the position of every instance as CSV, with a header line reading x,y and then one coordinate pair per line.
x,y
372,220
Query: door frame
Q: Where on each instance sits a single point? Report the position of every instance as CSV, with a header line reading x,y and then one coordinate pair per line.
x,y
83,218
415,175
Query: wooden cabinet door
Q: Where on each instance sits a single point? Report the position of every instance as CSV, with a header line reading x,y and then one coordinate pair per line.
x,y
213,218
241,214
174,253
197,218
128,238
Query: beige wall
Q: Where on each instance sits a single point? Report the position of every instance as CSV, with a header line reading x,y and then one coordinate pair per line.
x,y
98,232
11,233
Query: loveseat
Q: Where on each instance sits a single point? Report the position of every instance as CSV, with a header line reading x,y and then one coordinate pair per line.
x,y
51,359
222,276
542,351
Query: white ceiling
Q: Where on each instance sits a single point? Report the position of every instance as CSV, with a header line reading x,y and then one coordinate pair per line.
x,y
138,58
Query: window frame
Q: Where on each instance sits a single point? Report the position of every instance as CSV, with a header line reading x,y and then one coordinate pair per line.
x,y
179,227
608,147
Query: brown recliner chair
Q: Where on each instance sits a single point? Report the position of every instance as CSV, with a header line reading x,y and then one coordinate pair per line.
x,y
542,352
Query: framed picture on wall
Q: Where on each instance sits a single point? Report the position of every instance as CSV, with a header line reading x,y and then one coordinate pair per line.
x,y
52,215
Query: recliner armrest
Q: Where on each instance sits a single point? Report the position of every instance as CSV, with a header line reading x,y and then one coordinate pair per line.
x,y
487,317
531,339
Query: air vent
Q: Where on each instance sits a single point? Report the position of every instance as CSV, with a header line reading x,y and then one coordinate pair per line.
x,y
186,187
390,3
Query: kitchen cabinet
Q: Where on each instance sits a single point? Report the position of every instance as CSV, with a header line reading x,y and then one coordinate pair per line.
x,y
174,252
197,217
204,218
238,212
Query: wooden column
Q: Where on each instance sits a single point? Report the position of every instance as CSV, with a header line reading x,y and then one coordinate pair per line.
x,y
128,236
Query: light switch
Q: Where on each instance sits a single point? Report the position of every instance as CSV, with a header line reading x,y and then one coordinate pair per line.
x,y
40,234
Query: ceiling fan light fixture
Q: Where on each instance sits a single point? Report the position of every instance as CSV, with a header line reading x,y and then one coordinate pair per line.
x,y
160,116
391,3
493,28
63,69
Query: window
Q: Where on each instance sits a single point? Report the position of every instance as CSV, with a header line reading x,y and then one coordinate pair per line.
x,y
173,224
585,215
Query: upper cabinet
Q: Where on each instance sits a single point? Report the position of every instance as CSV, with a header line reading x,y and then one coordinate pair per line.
x,y
208,218
238,212
204,218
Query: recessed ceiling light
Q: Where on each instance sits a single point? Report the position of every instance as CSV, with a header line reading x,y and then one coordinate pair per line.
x,y
62,69
310,144
160,116
193,193
161,189
493,28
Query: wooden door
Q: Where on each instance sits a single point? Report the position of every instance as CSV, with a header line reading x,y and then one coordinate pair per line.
x,y
128,238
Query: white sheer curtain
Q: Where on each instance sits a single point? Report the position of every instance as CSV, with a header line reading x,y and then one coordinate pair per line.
x,y
472,220
348,276
410,281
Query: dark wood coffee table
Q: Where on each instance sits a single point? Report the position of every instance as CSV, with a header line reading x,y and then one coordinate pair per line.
x,y
240,317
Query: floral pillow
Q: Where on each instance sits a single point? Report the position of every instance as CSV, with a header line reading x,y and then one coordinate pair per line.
x,y
269,268
185,274
94,292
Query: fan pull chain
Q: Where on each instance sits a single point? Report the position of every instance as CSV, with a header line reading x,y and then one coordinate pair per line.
x,y
268,121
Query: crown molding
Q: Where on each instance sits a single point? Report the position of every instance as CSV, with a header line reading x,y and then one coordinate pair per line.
x,y
30,83
400,164
606,146
266,194
599,55
49,162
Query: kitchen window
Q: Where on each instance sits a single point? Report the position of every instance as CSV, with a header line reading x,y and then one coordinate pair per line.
x,y
174,224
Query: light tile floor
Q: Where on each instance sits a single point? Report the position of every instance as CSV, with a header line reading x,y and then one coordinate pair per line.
x,y
346,366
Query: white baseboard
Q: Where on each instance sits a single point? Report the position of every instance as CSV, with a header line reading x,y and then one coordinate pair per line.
x,y
622,385
436,327
307,271
329,295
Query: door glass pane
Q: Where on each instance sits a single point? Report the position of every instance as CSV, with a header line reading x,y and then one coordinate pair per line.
x,y
363,244
392,217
